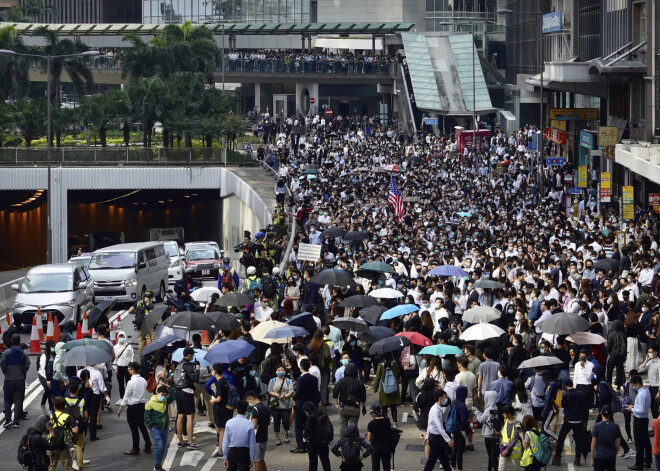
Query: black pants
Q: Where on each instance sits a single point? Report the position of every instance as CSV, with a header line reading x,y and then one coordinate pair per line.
x,y
318,451
123,377
300,426
437,452
627,417
239,458
14,393
281,416
578,431
535,466
394,412
135,418
405,382
381,455
588,391
493,450
94,404
654,402
602,464
457,450
47,393
642,441
616,362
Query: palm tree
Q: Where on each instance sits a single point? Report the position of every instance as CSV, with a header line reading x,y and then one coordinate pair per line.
x,y
138,60
92,114
13,14
145,95
212,109
60,120
30,118
36,10
234,125
119,111
13,69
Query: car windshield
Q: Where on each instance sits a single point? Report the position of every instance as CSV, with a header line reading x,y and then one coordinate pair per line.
x,y
80,261
47,283
105,260
172,249
202,255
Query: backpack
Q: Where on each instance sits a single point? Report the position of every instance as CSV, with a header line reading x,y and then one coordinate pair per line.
x,y
351,453
232,396
390,384
616,402
62,437
544,451
252,284
24,455
265,376
180,377
325,432
227,277
619,344
74,411
452,424
268,286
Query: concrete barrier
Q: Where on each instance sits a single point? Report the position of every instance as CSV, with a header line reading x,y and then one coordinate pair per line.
x,y
7,295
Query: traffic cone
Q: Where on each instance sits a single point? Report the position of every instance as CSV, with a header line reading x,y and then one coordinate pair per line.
x,y
40,326
118,324
205,338
85,327
79,332
56,330
113,333
35,346
50,330
94,334
8,319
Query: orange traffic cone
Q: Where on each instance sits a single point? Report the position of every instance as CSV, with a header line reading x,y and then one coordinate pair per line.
x,y
85,326
79,332
40,326
113,333
205,338
8,319
50,330
35,347
56,330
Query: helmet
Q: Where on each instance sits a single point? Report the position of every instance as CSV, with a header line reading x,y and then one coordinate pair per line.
x,y
148,294
259,235
226,260
251,271
276,271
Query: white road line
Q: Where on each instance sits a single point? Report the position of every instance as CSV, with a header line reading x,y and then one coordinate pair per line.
x,y
26,402
114,317
171,453
571,467
209,464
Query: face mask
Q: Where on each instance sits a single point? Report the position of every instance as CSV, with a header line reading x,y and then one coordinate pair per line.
x,y
162,398
445,402
352,343
52,349
635,389
542,351
649,355
122,340
280,374
344,361
253,373
517,318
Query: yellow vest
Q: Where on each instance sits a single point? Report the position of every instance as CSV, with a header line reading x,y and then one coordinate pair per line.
x,y
533,447
509,435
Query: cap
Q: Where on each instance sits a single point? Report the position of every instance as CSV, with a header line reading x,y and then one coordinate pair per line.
x,y
148,294
188,351
276,270
375,408
41,422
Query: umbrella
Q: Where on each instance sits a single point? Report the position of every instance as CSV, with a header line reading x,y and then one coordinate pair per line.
x,y
400,310
389,344
286,331
379,170
358,300
259,332
386,293
159,343
204,294
411,199
488,284
334,232
86,355
90,342
463,214
96,312
380,267
152,319
235,299
304,320
333,276
177,356
564,323
354,236
223,320
376,333
447,270
310,171
229,351
416,338
442,349
351,323
481,314
586,338
541,360
362,169
190,321
607,264
392,168
481,331
372,313
313,166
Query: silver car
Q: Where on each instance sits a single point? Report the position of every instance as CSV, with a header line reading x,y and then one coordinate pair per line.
x,y
63,290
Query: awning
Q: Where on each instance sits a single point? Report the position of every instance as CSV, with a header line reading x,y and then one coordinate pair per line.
x,y
555,135
347,43
507,115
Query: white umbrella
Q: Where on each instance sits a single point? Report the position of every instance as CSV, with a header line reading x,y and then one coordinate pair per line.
x,y
481,314
542,360
481,331
203,294
386,293
260,331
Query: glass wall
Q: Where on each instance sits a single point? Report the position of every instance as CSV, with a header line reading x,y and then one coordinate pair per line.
x,y
459,12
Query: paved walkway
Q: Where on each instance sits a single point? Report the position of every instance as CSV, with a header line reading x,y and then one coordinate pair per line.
x,y
261,180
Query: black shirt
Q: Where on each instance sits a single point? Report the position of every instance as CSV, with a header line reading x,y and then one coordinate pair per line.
x,y
380,432
261,412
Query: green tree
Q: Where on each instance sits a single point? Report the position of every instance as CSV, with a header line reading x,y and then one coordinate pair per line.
x,y
145,95
13,69
13,14
60,120
30,118
36,10
212,109
234,125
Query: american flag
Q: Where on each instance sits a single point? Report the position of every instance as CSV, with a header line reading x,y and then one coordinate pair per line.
x,y
395,199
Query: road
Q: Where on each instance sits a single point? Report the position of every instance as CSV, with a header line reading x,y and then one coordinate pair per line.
x,y
107,453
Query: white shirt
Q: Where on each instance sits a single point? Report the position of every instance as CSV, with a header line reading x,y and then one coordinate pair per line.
x,y
582,374
314,370
123,354
96,381
645,277
136,391
436,423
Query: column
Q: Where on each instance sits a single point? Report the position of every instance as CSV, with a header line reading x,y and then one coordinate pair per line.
x,y
59,214
303,106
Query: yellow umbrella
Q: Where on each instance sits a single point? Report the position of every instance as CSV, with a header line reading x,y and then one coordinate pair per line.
x,y
259,332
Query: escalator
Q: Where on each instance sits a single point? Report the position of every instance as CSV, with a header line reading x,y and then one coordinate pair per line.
x,y
407,99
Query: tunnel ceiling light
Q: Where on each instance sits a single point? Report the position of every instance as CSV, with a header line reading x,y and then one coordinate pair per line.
x,y
118,197
29,200
170,200
186,196
161,201
194,194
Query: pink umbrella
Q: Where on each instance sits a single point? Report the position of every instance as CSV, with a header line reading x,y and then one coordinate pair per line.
x,y
586,338
416,338
392,168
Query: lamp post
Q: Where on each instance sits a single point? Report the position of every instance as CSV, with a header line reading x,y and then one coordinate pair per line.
x,y
539,15
49,59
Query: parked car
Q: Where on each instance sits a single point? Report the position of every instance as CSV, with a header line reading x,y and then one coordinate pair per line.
x,y
81,260
203,262
190,245
64,290
175,255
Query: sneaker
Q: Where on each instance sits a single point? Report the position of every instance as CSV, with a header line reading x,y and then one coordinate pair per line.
x,y
74,466
217,454
8,424
193,446
286,437
211,426
577,461
628,454
86,461
278,441
201,412
556,461
15,424
469,447
183,444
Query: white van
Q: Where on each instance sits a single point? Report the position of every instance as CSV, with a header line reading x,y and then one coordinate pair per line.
x,y
124,272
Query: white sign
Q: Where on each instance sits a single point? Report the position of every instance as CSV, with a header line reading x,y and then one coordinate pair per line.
x,y
309,252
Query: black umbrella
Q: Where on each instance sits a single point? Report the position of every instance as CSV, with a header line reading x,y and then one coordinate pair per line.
x,y
95,313
234,299
564,323
372,313
152,319
190,321
86,355
388,344
334,277
223,320
377,333
488,284
334,232
354,236
607,264
304,320
359,300
351,323
159,343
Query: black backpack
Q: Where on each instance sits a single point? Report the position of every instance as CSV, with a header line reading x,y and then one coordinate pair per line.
x,y
24,455
351,453
325,432
74,411
268,286
62,437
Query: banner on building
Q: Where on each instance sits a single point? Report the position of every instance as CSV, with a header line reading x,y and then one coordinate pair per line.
x,y
605,187
608,136
583,176
552,22
628,203
654,201
309,252
573,114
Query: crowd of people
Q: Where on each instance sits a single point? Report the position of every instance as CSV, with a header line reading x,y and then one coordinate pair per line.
x,y
481,211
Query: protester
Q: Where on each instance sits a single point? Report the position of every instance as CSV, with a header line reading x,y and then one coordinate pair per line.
x,y
14,365
352,449
185,376
134,400
640,411
605,442
156,419
280,391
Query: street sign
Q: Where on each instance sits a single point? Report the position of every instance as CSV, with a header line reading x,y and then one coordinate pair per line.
x,y
431,121
312,100
575,191
555,161
328,112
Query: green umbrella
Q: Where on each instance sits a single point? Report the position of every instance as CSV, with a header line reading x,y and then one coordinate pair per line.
x,y
89,342
380,267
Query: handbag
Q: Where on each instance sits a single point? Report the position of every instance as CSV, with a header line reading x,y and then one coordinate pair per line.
x,y
505,450
274,402
151,382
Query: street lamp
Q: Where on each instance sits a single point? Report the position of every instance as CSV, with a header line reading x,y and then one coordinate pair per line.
x,y
8,52
539,15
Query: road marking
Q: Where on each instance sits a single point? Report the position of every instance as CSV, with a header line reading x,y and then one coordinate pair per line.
x,y
209,464
26,402
171,453
191,458
114,317
571,467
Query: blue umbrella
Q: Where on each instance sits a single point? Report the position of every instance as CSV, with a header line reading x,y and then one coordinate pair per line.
x,y
447,270
286,331
304,320
177,356
463,214
229,351
438,350
400,310
160,343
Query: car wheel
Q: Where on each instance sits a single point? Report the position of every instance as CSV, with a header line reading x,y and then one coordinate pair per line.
x,y
161,293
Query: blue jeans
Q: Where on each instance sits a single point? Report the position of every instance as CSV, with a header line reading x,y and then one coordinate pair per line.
x,y
160,440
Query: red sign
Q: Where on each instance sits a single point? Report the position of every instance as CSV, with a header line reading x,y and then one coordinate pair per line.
x,y
328,111
654,201
555,135
312,100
